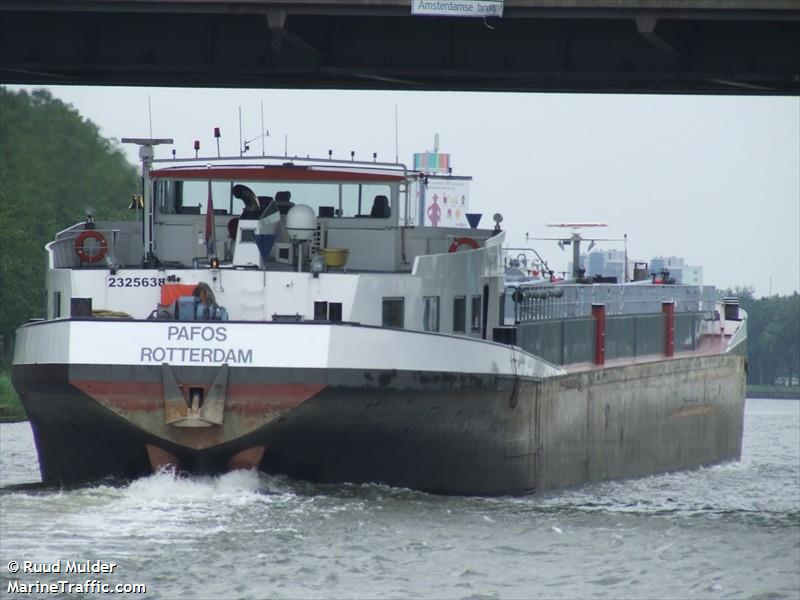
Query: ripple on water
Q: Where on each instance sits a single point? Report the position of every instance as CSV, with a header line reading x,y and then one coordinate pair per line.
x,y
727,531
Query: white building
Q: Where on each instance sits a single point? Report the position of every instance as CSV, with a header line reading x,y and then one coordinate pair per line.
x,y
678,269
611,263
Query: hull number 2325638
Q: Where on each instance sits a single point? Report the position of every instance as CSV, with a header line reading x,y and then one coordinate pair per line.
x,y
135,282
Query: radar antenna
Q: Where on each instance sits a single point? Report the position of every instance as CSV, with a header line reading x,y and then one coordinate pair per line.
x,y
575,240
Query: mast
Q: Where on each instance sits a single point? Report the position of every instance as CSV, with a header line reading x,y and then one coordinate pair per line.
x,y
146,154
576,255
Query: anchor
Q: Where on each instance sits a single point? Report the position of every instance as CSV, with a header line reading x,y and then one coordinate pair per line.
x,y
202,408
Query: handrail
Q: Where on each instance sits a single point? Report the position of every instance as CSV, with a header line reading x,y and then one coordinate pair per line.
x,y
559,301
61,251
358,165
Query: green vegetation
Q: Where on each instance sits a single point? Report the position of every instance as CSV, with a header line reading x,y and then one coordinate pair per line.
x,y
53,164
10,407
773,341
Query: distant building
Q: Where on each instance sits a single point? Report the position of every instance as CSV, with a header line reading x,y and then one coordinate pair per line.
x,y
678,269
692,275
606,263
611,263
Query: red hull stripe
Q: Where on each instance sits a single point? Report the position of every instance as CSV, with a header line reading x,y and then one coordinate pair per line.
x,y
267,173
244,399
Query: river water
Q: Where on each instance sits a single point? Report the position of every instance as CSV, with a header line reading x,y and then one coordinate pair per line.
x,y
731,531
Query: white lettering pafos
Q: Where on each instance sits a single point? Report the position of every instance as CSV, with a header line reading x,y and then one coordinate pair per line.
x,y
205,354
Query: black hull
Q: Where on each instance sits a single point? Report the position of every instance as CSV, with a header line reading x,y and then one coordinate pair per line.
x,y
445,433
465,434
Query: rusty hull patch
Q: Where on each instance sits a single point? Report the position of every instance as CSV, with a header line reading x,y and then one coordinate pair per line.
x,y
693,411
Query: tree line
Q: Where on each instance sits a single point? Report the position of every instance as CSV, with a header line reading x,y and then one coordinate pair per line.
x,y
773,342
53,164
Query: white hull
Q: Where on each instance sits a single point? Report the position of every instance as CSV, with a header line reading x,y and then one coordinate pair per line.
x,y
268,345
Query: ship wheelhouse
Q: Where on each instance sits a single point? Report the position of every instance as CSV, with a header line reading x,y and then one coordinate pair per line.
x,y
357,211
361,254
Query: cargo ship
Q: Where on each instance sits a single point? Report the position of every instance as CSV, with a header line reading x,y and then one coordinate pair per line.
x,y
302,317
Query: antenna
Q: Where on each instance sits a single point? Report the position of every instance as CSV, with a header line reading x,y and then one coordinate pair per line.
x,y
577,225
264,134
396,142
241,146
146,154
263,141
575,240
625,278
150,115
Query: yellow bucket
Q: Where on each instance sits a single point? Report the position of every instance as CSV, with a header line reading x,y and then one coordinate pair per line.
x,y
335,257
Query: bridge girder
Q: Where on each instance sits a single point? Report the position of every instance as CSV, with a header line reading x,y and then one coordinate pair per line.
x,y
639,46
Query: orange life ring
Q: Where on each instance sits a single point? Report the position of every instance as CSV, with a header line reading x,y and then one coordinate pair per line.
x,y
81,251
463,241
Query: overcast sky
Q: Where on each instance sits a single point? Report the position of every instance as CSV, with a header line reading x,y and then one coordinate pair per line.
x,y
715,180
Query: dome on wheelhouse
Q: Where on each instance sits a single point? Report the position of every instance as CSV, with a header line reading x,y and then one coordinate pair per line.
x,y
301,223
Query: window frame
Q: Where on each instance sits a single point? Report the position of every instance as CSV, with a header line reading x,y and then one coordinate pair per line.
x,y
476,310
428,301
463,324
385,300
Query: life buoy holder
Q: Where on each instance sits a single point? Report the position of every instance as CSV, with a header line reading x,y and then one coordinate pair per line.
x,y
463,241
81,251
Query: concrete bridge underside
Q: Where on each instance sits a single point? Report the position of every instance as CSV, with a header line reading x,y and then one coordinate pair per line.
x,y
640,46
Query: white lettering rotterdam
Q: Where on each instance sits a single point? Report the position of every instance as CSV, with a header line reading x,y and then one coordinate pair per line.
x,y
203,348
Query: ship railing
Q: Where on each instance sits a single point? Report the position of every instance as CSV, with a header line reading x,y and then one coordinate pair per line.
x,y
61,253
740,335
536,302
322,163
124,239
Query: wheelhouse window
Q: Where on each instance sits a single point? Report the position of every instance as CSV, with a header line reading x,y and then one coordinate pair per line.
x,y
359,200
475,314
392,312
328,199
191,197
459,314
430,313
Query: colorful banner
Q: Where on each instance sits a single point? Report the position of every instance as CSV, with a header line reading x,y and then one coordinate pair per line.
x,y
458,8
431,162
